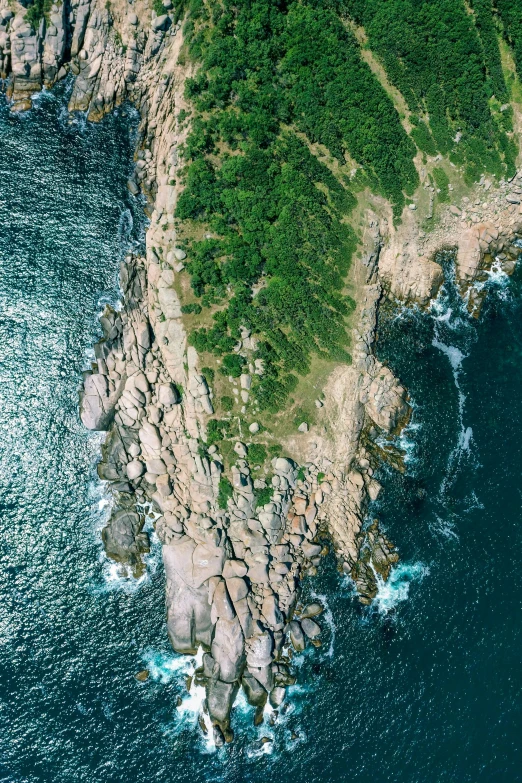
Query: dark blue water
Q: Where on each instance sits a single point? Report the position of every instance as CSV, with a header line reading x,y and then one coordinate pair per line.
x,y
424,687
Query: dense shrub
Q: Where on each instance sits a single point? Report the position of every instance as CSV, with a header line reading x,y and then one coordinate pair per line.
x,y
446,62
274,78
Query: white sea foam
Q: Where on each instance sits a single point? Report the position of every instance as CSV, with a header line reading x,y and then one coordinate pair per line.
x,y
454,354
328,621
407,441
443,527
397,588
170,667
465,438
473,503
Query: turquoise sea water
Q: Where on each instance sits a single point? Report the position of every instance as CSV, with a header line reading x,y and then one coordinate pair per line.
x,y
423,686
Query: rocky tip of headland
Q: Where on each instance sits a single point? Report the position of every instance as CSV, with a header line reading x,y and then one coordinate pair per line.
x,y
233,562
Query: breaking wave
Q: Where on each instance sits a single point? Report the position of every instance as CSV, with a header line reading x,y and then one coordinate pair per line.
x,y
397,589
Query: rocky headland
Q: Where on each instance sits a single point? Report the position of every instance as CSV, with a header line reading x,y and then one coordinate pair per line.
x,y
233,563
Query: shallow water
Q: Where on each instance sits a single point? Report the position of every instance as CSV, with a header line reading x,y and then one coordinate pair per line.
x,y
423,686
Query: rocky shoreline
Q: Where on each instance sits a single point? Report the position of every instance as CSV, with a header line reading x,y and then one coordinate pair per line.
x,y
233,565
232,572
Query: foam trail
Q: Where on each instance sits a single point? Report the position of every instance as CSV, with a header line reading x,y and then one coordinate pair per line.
x,y
449,313
444,527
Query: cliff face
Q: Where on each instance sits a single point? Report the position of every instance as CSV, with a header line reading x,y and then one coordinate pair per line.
x,y
232,563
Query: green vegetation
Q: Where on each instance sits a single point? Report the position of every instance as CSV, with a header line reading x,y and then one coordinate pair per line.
x,y
226,491
232,365
257,453
209,374
227,403
488,35
442,183
36,11
288,122
217,429
510,13
264,496
446,62
191,309
275,79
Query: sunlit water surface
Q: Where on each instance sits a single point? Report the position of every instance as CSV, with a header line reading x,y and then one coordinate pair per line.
x,y
423,686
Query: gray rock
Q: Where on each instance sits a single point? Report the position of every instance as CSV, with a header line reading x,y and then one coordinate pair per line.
x,y
312,610
156,466
259,650
149,436
195,563
255,694
234,568
283,465
240,450
297,636
131,185
121,536
311,628
311,550
277,696
237,588
221,603
135,469
168,395
220,698
188,612
271,613
228,649
161,23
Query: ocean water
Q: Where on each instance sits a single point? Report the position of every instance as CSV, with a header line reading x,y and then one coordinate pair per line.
x,y
425,685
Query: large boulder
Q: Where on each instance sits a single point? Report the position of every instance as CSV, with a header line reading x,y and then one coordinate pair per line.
x,y
255,693
189,621
97,404
122,536
228,649
220,698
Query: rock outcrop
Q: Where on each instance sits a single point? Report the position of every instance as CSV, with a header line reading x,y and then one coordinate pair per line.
x,y
232,573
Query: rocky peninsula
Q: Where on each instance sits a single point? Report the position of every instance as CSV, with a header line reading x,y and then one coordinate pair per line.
x,y
233,563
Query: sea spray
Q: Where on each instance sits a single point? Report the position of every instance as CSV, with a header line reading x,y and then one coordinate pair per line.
x,y
397,588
